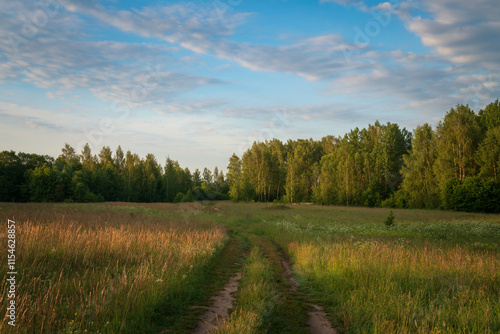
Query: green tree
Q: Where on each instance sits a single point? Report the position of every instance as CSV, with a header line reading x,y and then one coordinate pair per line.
x,y
172,179
153,174
278,168
133,165
106,158
207,176
234,177
255,169
105,178
397,143
489,154
11,176
189,197
69,156
473,194
419,183
327,192
197,178
458,136
215,175
42,184
88,160
119,163
187,180
302,170
490,116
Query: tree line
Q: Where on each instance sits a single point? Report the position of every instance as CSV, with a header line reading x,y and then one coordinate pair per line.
x,y
107,176
454,166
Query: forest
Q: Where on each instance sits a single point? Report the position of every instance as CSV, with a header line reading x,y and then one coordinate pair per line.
x,y
454,166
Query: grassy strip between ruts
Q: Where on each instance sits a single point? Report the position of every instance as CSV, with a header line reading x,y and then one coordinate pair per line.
x,y
256,298
265,303
291,311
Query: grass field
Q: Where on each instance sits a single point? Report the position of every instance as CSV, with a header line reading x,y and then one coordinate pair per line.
x,y
145,268
104,269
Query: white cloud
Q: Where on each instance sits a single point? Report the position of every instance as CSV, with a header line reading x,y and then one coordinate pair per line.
x,y
422,83
171,22
203,30
463,31
356,3
60,54
191,106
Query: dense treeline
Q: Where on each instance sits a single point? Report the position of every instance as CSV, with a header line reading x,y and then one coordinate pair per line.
x,y
455,166
108,176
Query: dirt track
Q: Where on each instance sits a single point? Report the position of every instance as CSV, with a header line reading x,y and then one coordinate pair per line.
x,y
222,302
219,310
318,322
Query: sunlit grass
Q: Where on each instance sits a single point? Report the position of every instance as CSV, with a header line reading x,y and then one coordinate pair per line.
x,y
256,298
102,271
432,272
121,267
387,287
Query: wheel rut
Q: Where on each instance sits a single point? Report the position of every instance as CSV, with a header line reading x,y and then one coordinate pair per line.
x,y
222,302
317,317
218,311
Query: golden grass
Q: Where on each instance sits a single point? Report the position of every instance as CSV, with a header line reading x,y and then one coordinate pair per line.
x,y
100,271
387,287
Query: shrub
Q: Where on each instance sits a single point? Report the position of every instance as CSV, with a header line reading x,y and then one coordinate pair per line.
x,y
189,197
178,198
396,200
473,194
389,221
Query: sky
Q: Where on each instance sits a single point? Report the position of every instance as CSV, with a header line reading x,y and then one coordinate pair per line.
x,y
196,81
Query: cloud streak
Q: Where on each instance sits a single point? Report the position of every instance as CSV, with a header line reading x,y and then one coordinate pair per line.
x,y
59,57
463,31
197,79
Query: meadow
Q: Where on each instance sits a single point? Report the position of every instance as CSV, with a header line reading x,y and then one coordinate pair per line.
x,y
102,269
149,268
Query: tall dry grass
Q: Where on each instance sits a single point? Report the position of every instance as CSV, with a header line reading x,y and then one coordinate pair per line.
x,y
387,287
103,270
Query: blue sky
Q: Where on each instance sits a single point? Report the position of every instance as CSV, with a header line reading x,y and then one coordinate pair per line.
x,y
199,80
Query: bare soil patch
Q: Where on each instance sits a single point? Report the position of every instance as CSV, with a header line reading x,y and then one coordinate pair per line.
x,y
222,302
318,322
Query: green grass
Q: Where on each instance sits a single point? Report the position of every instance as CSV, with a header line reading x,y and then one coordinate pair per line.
x,y
128,268
432,272
388,287
256,298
